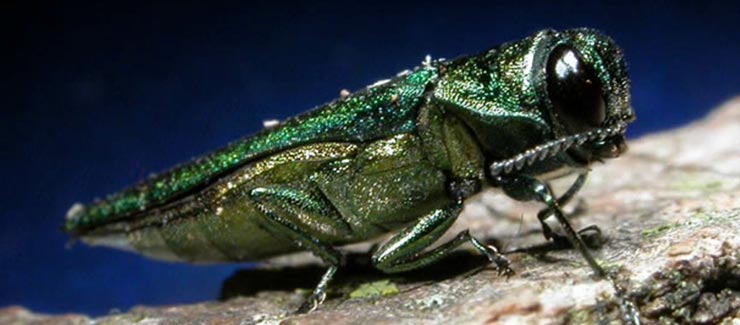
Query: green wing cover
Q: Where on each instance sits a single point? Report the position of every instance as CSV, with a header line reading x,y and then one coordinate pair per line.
x,y
373,113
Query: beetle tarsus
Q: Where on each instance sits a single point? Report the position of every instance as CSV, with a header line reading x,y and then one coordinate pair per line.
x,y
592,236
318,295
311,303
494,256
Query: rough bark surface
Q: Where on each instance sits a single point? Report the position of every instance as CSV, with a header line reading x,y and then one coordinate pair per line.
x,y
669,210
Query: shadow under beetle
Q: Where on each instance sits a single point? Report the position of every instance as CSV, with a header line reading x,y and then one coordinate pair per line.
x,y
400,156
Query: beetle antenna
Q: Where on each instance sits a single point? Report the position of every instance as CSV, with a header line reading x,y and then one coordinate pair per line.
x,y
552,148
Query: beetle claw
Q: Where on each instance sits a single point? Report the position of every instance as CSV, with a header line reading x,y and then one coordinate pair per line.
x,y
313,301
502,263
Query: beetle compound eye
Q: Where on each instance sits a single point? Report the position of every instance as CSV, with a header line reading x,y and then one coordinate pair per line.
x,y
574,90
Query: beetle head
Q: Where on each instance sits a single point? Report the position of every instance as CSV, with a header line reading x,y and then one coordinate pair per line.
x,y
585,79
553,93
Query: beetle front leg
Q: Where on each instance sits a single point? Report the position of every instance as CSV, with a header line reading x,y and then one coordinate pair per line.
x,y
279,206
562,201
403,252
527,188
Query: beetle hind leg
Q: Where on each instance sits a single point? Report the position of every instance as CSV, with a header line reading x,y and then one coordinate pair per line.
x,y
280,207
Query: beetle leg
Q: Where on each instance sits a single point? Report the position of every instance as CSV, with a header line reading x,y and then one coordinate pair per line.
x,y
308,208
562,201
278,212
526,188
319,293
403,252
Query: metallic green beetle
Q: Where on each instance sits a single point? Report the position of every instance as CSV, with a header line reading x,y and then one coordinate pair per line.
x,y
400,156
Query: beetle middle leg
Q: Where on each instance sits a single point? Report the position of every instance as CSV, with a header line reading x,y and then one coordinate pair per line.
x,y
403,252
282,209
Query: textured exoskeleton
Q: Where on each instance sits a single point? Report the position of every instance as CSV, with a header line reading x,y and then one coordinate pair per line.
x,y
398,157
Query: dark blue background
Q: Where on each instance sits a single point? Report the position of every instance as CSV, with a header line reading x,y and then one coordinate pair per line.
x,y
96,97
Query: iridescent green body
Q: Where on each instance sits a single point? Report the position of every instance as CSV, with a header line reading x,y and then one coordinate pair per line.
x,y
400,156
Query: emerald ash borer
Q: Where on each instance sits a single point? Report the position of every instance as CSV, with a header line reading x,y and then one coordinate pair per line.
x,y
400,157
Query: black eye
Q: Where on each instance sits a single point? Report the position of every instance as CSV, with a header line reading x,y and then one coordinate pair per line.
x,y
574,90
